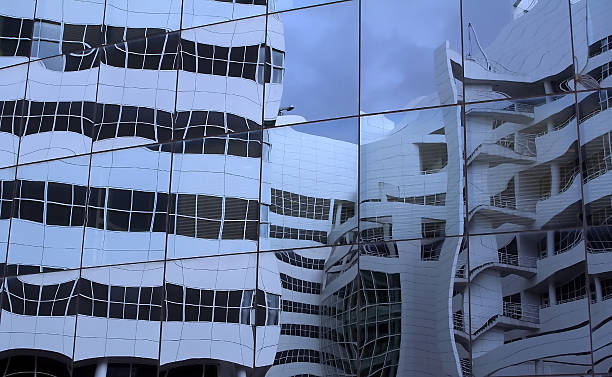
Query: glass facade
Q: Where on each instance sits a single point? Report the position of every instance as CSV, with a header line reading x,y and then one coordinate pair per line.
x,y
279,188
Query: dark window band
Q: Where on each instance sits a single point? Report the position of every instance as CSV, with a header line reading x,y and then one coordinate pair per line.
x,y
306,331
298,234
135,48
294,259
298,285
291,204
299,307
297,356
108,121
192,215
600,46
143,303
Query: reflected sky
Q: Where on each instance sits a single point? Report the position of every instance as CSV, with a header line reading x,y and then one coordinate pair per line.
x,y
399,76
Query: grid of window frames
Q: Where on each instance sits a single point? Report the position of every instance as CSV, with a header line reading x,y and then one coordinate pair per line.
x,y
70,47
373,297
191,215
179,303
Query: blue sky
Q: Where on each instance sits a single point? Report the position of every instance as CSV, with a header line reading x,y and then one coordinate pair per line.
x,y
398,41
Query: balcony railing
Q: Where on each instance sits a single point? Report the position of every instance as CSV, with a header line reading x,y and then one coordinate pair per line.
x,y
599,239
523,312
525,145
520,107
571,299
515,260
458,321
568,181
598,168
503,201
558,126
567,240
460,272
466,367
428,171
602,216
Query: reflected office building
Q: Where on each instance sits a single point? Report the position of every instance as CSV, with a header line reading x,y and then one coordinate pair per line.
x,y
163,213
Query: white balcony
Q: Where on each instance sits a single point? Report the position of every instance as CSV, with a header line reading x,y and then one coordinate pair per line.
x,y
515,112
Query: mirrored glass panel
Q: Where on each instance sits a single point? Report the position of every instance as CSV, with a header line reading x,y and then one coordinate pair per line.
x,y
7,176
209,320
410,54
596,156
319,78
13,108
347,311
288,312
592,38
221,78
522,165
503,59
529,297
17,23
60,107
599,247
249,188
198,13
411,175
63,27
127,208
283,5
309,184
48,215
37,324
129,20
214,201
119,311
136,92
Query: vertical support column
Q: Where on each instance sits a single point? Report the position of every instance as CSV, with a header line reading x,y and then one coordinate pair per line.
x,y
555,179
338,214
555,175
552,295
550,243
548,90
598,290
241,372
387,231
539,367
101,368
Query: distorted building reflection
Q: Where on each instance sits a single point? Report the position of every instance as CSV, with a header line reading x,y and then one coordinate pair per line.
x,y
159,216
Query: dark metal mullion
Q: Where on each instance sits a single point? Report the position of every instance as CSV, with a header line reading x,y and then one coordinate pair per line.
x,y
581,177
465,196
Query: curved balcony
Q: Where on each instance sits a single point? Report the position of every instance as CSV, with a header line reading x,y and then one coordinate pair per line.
x,y
554,144
550,207
595,124
507,264
513,316
506,150
502,208
597,182
599,244
521,113
568,251
338,231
